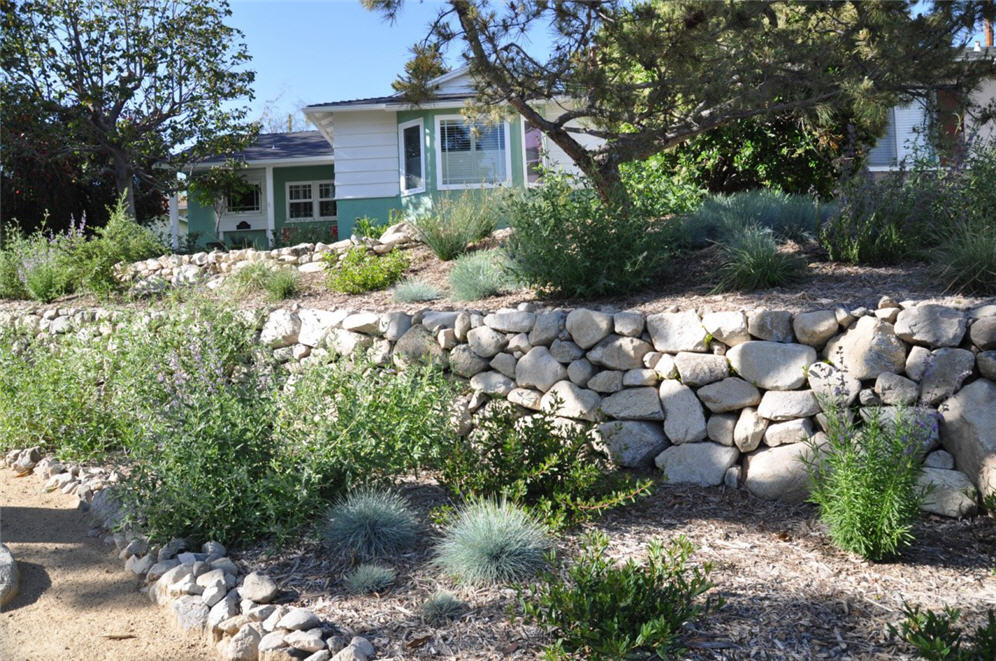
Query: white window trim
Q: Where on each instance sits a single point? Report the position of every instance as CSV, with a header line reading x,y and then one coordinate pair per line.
x,y
525,163
401,156
439,158
315,202
251,179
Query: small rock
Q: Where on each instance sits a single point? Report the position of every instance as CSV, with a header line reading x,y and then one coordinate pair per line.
x,y
730,394
730,328
771,325
704,464
699,369
684,421
299,619
10,577
672,332
634,404
539,369
948,370
259,587
244,645
792,431
781,405
815,328
749,430
492,383
931,325
772,365
305,641
895,390
565,351
631,443
588,327
939,459
608,381
191,613
568,400
720,427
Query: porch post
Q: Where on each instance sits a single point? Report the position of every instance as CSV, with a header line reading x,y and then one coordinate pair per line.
x,y
174,222
271,223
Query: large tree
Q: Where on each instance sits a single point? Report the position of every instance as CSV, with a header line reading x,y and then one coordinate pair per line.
x,y
646,75
126,85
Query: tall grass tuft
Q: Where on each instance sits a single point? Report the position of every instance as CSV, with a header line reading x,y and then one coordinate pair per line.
x,y
371,524
492,542
966,261
277,283
752,260
865,482
456,222
480,274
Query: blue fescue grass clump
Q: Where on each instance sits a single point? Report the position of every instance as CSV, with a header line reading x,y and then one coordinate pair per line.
x,y
481,274
413,290
367,579
370,524
721,217
492,542
441,608
752,260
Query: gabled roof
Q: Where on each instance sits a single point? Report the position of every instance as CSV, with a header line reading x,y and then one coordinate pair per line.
x,y
450,93
300,145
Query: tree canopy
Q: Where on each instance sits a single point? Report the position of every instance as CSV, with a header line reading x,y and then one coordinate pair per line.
x,y
647,75
128,90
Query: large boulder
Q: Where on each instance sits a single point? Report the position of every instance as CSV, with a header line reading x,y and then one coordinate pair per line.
x,y
546,328
571,401
931,325
949,493
730,328
631,443
684,421
704,464
772,365
588,327
968,431
947,371
315,325
672,332
464,362
730,394
867,349
281,329
780,405
773,325
779,473
699,369
619,353
815,328
511,321
634,404
538,369
418,345
9,576
486,342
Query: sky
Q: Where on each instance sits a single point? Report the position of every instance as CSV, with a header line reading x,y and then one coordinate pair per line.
x,y
314,51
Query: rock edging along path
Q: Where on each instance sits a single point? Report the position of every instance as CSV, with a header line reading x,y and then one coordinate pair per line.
x,y
204,590
722,398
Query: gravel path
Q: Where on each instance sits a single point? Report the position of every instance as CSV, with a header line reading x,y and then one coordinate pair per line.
x,y
75,600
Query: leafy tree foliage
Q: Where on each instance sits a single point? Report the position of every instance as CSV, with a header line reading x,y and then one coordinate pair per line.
x,y
648,75
118,85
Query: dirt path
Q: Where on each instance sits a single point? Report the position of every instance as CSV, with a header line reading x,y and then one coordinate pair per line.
x,y
75,598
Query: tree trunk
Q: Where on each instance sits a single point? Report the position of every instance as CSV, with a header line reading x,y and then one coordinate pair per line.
x,y
124,183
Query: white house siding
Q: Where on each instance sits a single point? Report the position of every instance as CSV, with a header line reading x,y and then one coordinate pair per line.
x,y
366,154
556,158
984,96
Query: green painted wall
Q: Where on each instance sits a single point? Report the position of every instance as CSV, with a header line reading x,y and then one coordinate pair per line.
x,y
379,208
281,176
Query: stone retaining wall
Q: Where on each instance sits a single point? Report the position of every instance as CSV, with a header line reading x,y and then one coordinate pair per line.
x,y
725,398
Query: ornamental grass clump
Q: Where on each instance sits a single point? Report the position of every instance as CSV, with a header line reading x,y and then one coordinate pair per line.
x,y
752,260
605,610
480,274
413,290
865,482
367,579
456,222
277,283
490,542
370,524
441,608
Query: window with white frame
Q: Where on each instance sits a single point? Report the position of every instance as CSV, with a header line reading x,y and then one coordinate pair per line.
x,y
246,200
310,200
410,139
471,155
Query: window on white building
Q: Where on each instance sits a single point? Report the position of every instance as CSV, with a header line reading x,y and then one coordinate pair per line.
x,y
471,156
311,200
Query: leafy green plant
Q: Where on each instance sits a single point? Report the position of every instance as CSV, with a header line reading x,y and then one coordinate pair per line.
x,y
360,272
457,221
605,610
752,260
865,482
566,241
413,290
537,464
368,227
490,542
658,189
441,608
371,523
480,274
935,636
367,579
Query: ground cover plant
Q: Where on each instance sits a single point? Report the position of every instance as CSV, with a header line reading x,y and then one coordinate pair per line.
x,y
865,481
361,271
456,222
480,274
548,468
936,637
489,542
605,610
370,523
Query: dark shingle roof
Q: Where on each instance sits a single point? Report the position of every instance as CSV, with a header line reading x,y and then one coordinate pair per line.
x,y
394,99
280,146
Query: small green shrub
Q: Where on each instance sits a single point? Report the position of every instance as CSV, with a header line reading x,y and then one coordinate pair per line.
x,y
751,260
935,636
865,483
566,241
533,462
492,542
659,189
277,283
609,611
413,290
457,221
283,285
480,274
47,278
361,272
371,524
368,227
367,579
440,608
966,261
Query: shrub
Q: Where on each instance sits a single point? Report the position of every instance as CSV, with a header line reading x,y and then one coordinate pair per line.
x,y
479,275
537,464
492,542
441,608
751,260
368,227
611,611
366,579
457,221
866,484
277,283
361,272
567,242
413,290
658,189
935,636
371,524
723,217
